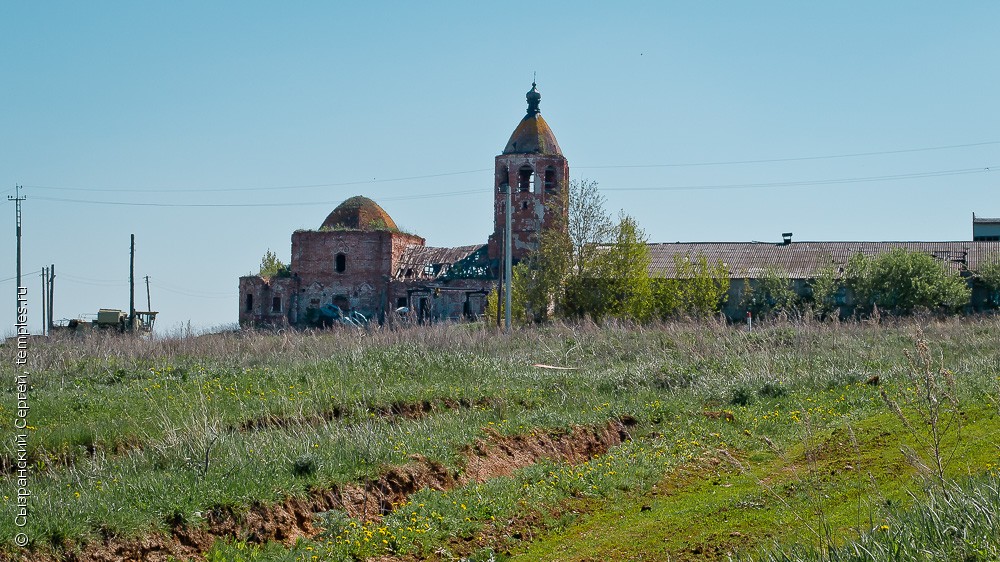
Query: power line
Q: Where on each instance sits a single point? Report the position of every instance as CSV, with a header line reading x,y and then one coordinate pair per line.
x,y
807,183
78,281
211,205
177,289
200,295
444,174
793,159
802,183
273,188
24,274
81,278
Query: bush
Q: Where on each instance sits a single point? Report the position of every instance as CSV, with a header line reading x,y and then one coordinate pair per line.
x,y
772,390
901,282
741,396
305,465
988,275
770,295
698,291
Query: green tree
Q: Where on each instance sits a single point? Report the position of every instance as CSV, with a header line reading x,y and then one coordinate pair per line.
x,y
825,287
704,286
900,281
588,225
271,266
698,289
585,265
622,287
770,294
539,280
550,278
987,274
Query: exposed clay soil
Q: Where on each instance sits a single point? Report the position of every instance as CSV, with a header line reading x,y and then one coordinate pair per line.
x,y
494,456
395,410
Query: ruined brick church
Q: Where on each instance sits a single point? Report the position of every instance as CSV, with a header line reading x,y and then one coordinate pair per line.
x,y
358,263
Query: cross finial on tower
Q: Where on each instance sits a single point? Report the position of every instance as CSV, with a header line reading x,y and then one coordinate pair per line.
x,y
533,98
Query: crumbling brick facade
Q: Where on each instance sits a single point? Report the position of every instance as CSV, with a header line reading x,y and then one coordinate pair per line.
x,y
360,266
537,174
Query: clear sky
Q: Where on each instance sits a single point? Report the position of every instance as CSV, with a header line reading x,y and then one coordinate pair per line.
x,y
212,130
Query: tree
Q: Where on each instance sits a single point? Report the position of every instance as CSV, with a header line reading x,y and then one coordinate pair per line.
x,y
900,282
585,265
825,288
988,275
624,288
539,280
546,280
704,287
698,289
271,266
770,294
588,226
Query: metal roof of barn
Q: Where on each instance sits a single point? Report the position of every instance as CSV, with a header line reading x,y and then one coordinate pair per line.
x,y
804,260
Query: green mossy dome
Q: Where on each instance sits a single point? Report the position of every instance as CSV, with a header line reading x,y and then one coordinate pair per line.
x,y
359,213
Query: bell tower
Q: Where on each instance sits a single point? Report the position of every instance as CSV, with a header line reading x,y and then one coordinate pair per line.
x,y
537,173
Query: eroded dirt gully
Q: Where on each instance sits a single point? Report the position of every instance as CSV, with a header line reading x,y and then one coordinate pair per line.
x,y
490,457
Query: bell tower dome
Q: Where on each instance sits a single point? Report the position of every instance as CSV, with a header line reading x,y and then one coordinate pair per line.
x,y
534,167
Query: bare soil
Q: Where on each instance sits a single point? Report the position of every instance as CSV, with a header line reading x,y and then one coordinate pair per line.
x,y
493,456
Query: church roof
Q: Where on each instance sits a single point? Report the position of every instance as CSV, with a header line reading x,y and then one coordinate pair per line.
x,y
428,262
533,135
359,213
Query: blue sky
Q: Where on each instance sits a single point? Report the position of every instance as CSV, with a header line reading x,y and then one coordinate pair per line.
x,y
213,130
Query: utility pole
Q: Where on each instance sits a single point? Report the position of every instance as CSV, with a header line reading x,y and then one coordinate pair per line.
x,y
131,284
149,307
52,294
508,260
45,292
17,221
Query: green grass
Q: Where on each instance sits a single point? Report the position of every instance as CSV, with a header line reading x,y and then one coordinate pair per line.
x,y
123,428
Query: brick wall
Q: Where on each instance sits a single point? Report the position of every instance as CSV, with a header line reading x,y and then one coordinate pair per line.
x,y
528,206
350,269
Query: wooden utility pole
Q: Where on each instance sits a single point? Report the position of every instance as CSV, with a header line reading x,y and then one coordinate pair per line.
x,y
52,294
17,231
131,284
45,292
149,306
507,262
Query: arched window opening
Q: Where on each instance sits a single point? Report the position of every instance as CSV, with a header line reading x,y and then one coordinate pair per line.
x,y
341,262
249,302
504,177
276,304
525,177
550,181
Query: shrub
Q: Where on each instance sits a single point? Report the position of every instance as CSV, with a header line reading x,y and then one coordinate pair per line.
x,y
900,281
741,396
305,465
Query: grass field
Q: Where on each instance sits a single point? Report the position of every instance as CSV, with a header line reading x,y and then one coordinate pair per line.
x,y
683,441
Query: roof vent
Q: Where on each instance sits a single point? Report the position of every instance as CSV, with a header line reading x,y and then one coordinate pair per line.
x,y
786,238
